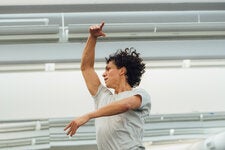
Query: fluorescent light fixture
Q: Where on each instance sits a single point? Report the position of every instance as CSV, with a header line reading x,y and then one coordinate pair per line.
x,y
136,25
29,33
16,22
151,30
29,29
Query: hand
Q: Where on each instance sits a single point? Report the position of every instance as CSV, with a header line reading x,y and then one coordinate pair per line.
x,y
75,124
96,30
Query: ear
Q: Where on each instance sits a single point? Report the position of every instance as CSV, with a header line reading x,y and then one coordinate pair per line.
x,y
123,71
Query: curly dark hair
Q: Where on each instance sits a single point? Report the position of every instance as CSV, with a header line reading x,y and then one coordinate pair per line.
x,y
134,65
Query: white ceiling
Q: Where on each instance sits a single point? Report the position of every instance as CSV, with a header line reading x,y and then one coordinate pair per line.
x,y
54,2
152,15
56,6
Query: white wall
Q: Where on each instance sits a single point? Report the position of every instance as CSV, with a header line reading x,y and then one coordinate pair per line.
x,y
186,90
30,95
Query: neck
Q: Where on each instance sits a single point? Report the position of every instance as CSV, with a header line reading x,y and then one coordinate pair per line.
x,y
123,87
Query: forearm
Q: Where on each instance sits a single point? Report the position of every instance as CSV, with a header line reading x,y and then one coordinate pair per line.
x,y
109,110
88,55
117,107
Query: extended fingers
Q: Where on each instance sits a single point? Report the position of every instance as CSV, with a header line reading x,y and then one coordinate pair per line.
x,y
73,131
67,126
72,128
102,24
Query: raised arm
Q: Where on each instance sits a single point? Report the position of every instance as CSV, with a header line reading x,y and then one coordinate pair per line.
x,y
88,57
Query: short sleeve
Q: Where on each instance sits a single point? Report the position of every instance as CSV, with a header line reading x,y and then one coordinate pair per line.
x,y
101,94
145,100
100,88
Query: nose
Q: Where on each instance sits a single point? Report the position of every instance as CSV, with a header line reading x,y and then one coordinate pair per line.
x,y
104,74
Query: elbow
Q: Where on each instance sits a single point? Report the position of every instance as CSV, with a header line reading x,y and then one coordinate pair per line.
x,y
82,68
126,107
131,104
85,66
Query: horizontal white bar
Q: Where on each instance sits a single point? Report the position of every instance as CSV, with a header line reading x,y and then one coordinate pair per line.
x,y
101,65
29,29
151,27
15,21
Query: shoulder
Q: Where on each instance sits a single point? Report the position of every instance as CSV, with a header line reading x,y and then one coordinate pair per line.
x,y
102,90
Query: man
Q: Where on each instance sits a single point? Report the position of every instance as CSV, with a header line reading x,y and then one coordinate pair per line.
x,y
119,116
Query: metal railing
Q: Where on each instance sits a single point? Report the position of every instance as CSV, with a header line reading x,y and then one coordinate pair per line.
x,y
46,133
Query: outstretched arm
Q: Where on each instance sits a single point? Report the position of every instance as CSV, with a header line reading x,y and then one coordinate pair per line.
x,y
113,108
88,58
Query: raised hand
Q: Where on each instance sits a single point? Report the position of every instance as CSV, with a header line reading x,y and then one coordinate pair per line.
x,y
96,30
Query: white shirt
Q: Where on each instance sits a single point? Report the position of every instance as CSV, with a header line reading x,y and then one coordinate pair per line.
x,y
123,131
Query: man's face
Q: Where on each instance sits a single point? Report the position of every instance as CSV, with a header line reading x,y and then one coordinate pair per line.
x,y
111,75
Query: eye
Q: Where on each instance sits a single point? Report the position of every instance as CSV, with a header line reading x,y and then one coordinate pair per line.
x,y
107,68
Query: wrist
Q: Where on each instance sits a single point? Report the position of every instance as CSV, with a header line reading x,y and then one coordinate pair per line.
x,y
91,115
93,37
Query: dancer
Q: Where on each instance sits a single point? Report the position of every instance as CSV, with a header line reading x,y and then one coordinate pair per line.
x,y
120,114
